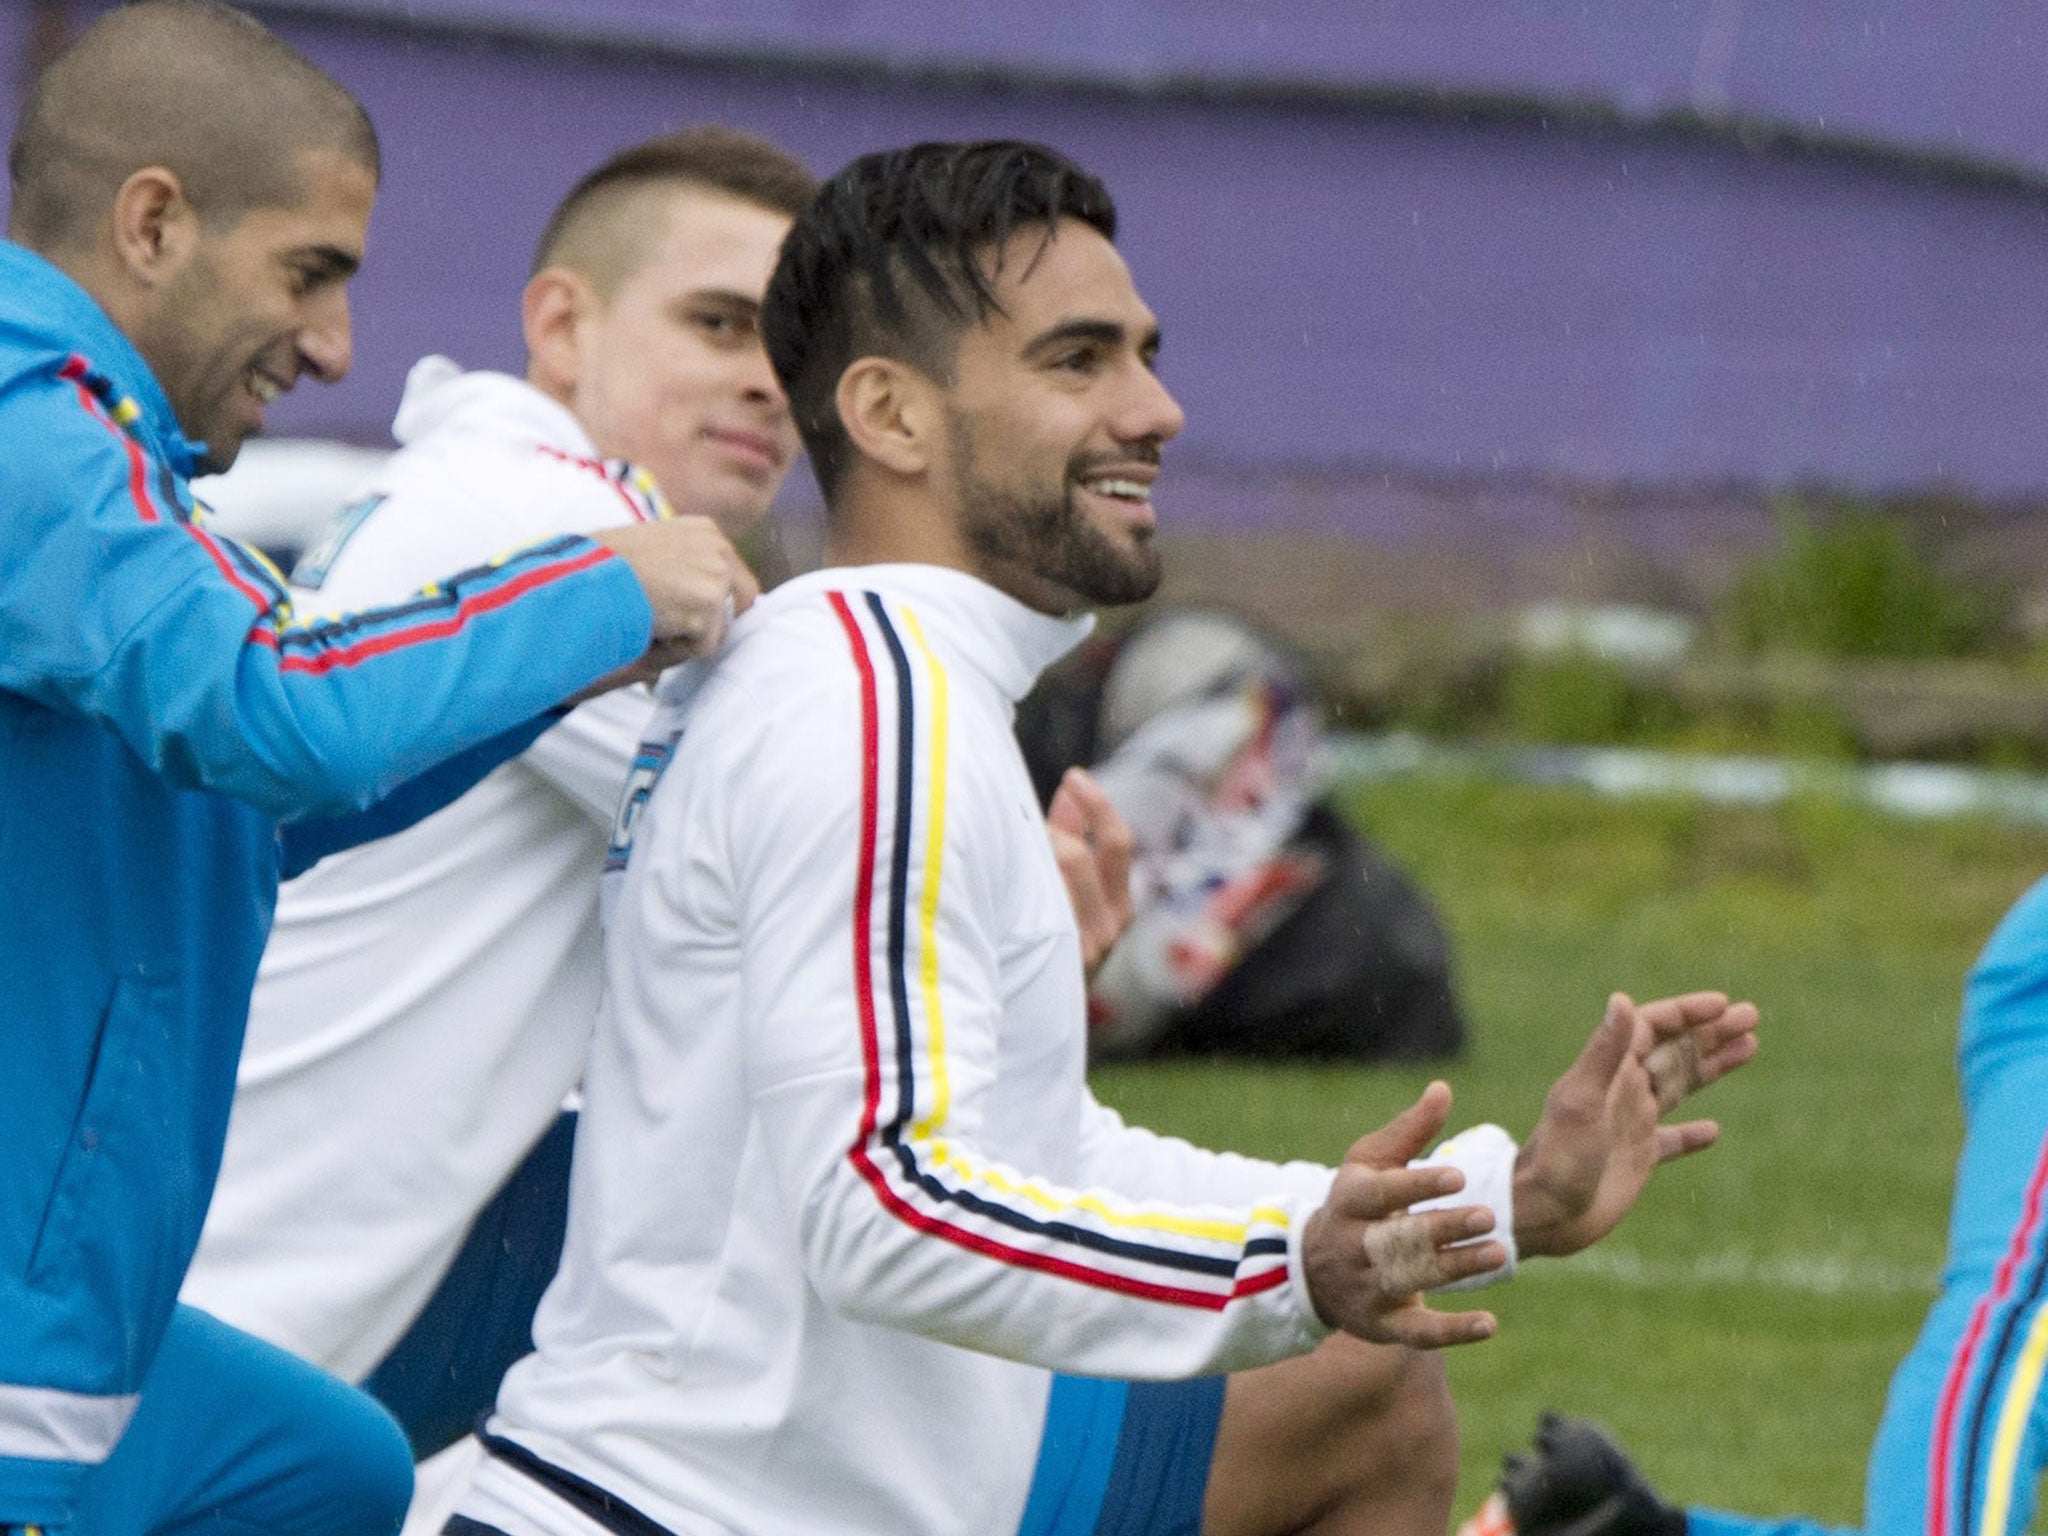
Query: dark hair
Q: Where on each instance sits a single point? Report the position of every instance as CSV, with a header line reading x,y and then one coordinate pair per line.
x,y
194,86
740,165
889,260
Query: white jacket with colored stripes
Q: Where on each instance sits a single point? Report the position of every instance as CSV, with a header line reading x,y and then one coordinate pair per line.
x,y
842,1199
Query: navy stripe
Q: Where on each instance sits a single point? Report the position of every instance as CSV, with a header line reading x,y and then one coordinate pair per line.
x,y
253,570
323,632
899,888
899,997
167,490
1974,1447
462,1525
579,1493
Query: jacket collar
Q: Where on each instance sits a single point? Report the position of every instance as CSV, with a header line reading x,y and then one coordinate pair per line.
x,y
440,396
46,311
1006,640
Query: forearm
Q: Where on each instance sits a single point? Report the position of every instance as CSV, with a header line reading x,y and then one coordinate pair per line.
x,y
186,647
947,1243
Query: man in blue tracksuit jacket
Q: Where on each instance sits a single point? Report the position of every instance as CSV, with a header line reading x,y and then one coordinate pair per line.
x,y
163,712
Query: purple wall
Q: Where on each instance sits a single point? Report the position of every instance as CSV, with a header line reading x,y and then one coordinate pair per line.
x,y
1912,71
1339,288
17,23
1353,292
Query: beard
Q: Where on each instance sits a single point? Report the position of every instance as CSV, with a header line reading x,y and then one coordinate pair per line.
x,y
1043,535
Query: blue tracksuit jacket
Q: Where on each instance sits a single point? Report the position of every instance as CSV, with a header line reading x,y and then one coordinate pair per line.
x,y
162,712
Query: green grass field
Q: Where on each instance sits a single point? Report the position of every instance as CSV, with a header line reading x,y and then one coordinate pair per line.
x,y
1739,1328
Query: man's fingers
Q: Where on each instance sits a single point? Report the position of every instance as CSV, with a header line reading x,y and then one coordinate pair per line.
x,y
1608,1046
1422,1327
1424,1250
1364,1193
1082,807
746,586
1730,1056
1403,1138
1681,1140
1090,801
1106,831
1093,846
1668,1015
1691,1060
1066,813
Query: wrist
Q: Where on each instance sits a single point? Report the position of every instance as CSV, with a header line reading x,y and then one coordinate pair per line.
x,y
1490,1161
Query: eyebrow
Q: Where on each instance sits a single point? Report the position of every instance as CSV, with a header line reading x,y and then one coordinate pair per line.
x,y
730,298
1105,332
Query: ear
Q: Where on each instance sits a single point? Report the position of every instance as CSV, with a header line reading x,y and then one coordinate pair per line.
x,y
552,312
891,413
155,225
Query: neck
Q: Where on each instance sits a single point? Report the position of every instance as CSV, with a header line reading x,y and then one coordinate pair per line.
x,y
888,525
894,523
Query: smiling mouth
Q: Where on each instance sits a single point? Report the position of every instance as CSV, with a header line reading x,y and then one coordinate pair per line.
x,y
265,388
1132,492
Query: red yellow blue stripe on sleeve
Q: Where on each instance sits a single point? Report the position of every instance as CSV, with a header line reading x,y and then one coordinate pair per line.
x,y
435,613
1201,1259
1992,1384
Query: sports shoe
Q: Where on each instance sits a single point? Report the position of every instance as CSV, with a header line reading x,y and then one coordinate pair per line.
x,y
1574,1481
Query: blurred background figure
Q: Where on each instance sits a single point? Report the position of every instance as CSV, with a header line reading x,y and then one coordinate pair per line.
x,y
1266,925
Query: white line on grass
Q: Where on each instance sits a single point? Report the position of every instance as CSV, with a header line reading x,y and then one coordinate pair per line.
x,y
1811,1275
1903,789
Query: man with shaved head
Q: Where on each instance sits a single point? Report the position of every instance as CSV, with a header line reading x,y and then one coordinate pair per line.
x,y
190,198
271,124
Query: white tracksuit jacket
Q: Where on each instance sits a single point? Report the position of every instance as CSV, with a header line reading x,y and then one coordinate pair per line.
x,y
842,1200
425,1001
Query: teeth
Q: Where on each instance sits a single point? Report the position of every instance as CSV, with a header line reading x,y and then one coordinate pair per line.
x,y
1123,490
264,388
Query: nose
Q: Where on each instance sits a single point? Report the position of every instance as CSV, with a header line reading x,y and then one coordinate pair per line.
x,y
325,344
1150,411
757,379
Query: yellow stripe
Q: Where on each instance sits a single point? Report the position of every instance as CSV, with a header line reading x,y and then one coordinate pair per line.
x,y
2012,1427
928,908
925,1129
1034,1191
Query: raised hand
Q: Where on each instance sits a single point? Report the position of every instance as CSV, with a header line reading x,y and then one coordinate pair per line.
x,y
1599,1140
1367,1258
1093,845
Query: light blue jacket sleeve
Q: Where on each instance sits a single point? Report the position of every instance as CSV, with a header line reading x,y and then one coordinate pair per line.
x,y
113,607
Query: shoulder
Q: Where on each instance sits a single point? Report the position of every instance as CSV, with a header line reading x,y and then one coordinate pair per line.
x,y
445,506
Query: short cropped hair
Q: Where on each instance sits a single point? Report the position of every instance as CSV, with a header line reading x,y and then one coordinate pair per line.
x,y
890,260
194,86
607,216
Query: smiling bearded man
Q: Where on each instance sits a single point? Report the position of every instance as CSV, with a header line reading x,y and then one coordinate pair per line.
x,y
851,1247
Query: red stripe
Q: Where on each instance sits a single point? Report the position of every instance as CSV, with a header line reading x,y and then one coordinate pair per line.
x,y
864,891
441,628
75,370
598,468
1943,1450
863,991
